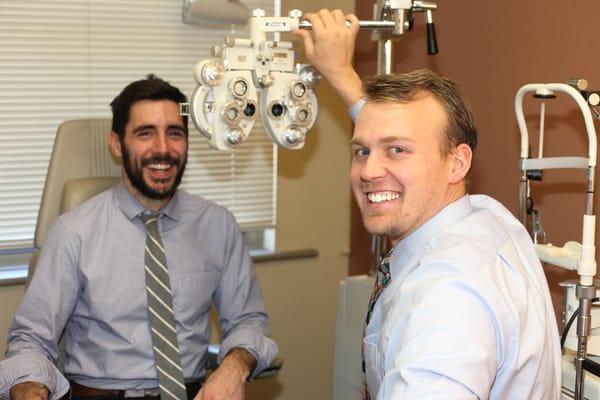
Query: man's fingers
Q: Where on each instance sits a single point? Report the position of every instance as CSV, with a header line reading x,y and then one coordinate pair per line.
x,y
333,20
339,17
354,23
315,20
309,45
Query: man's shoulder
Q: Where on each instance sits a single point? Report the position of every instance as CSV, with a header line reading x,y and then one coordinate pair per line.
x,y
487,237
89,210
486,228
194,204
488,243
474,237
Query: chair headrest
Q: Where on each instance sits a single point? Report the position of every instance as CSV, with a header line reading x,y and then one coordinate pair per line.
x,y
80,151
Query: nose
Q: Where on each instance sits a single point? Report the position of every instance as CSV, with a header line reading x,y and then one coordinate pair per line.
x,y
373,168
161,144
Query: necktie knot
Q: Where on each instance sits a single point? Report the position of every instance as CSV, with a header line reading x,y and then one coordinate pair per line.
x,y
383,272
151,220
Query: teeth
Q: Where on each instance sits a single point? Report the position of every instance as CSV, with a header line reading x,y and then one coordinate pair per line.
x,y
381,197
159,166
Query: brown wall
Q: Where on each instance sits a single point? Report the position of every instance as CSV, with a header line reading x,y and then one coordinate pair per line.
x,y
493,48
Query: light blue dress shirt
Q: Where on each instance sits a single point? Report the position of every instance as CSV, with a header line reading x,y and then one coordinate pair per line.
x,y
90,281
467,314
355,108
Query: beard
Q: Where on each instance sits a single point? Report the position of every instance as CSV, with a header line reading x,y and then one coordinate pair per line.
x,y
389,226
136,176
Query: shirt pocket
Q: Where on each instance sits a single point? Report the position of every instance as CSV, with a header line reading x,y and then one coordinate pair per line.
x,y
373,363
193,291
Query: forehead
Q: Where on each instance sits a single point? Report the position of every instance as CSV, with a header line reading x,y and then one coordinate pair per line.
x,y
154,112
420,119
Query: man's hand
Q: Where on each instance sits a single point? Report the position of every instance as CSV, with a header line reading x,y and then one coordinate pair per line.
x,y
228,381
329,47
29,391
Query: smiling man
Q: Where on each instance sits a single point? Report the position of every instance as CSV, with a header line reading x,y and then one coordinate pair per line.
x,y
127,280
462,308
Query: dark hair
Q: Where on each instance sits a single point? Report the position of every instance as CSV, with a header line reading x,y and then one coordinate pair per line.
x,y
151,88
404,88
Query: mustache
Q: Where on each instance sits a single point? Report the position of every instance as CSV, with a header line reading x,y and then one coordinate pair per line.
x,y
161,158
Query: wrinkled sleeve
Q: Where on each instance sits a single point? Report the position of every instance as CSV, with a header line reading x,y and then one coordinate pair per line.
x,y
239,302
443,344
32,348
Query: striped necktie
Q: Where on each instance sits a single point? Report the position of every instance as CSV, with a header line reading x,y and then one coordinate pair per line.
x,y
162,316
383,279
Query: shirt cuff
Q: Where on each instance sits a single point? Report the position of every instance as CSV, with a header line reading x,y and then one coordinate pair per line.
x,y
355,108
31,368
262,348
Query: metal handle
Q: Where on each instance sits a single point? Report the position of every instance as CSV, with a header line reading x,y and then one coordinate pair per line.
x,y
373,25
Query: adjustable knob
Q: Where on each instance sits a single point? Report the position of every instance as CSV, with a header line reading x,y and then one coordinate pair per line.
x,y
432,47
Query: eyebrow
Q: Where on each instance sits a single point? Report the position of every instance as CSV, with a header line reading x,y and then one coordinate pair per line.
x,y
143,127
150,126
176,126
384,140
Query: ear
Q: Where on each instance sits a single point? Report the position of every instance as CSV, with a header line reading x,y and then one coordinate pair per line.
x,y
461,158
115,144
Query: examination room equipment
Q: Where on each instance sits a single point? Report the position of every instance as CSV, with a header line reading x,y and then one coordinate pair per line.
x,y
573,255
258,76
251,77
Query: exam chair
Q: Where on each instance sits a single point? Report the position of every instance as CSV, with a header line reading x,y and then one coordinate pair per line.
x,y
82,166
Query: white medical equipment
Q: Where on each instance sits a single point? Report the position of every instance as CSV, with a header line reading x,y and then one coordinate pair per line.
x,y
573,255
255,76
225,102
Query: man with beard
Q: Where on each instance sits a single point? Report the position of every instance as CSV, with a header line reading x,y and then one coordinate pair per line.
x,y
96,285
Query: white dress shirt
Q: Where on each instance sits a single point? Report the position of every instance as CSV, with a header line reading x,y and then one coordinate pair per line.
x,y
467,314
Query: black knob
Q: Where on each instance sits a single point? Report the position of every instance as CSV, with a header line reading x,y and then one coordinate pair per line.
x,y
432,47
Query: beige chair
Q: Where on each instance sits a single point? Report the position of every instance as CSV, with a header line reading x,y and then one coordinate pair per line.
x,y
81,166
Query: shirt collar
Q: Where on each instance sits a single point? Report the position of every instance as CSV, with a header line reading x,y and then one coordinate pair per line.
x,y
413,245
132,208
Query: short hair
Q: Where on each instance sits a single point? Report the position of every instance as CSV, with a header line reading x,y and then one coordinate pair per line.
x,y
411,86
150,88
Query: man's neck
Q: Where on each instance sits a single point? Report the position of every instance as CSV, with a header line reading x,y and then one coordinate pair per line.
x,y
146,202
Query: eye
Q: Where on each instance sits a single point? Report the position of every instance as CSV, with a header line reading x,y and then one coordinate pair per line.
x,y
177,133
360,152
143,133
395,150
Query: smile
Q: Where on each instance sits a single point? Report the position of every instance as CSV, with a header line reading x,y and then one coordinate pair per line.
x,y
381,197
159,167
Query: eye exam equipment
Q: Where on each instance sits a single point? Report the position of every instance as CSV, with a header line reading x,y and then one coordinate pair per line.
x,y
575,256
248,77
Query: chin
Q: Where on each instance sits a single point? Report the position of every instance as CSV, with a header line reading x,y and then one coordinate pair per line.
x,y
376,225
384,226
